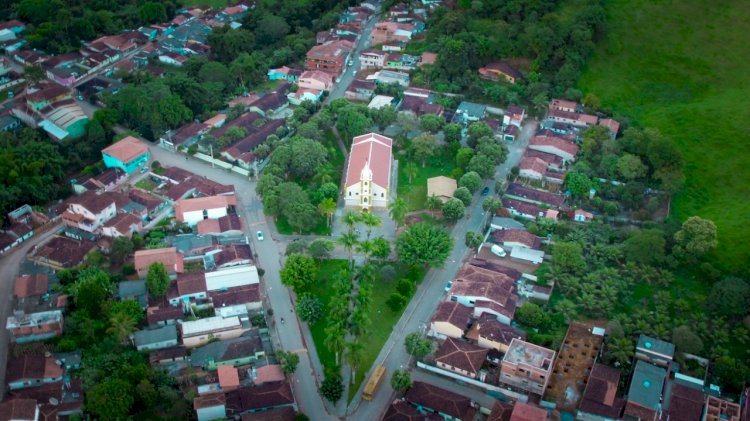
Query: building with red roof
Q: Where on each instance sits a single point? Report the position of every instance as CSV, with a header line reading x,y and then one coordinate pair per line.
x,y
368,174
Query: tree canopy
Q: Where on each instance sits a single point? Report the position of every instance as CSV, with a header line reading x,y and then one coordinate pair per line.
x,y
424,244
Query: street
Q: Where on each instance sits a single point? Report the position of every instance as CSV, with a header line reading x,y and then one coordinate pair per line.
x,y
348,76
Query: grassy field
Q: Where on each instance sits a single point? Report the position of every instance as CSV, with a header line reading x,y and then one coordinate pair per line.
x,y
415,193
679,66
382,317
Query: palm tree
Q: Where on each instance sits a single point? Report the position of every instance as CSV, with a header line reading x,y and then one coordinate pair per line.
x,y
335,339
349,241
411,170
327,208
397,210
324,174
354,356
371,221
620,350
351,219
121,326
360,323
433,204
365,247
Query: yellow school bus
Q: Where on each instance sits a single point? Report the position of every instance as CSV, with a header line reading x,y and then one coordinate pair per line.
x,y
372,385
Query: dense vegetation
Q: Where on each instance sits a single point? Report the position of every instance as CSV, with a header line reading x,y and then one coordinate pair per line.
x,y
548,40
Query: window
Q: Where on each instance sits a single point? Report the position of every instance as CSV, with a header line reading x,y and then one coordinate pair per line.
x,y
350,193
382,194
365,183
365,200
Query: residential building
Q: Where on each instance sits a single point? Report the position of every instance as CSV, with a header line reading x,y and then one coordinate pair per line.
x,y
612,125
523,209
444,403
128,154
285,73
461,358
167,355
500,71
500,223
162,316
487,332
91,210
718,409
199,332
210,407
527,366
400,410
122,225
526,194
27,286
532,168
553,161
372,59
368,173
580,215
683,403
565,149
247,295
20,410
526,412
192,211
244,350
316,80
514,116
654,351
35,326
526,255
31,371
450,320
380,101
644,401
441,187
390,77
563,105
469,112
173,59
169,257
360,90
63,252
516,238
486,291
388,31
255,400
229,378
226,225
599,401
156,338
329,57
187,288
184,136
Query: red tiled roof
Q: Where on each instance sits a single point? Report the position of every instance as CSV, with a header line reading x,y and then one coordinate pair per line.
x,y
600,395
169,256
31,285
555,142
191,283
228,377
442,400
18,409
208,401
517,236
372,149
454,313
236,295
525,412
126,150
536,195
155,315
259,397
123,221
285,413
461,355
223,224
536,165
32,367
547,157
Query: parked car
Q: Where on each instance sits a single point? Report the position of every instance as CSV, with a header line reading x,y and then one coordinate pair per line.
x,y
497,250
448,286
143,170
260,235
485,191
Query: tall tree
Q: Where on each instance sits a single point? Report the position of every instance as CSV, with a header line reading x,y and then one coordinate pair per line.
x,y
288,360
157,280
299,272
398,209
354,357
121,325
424,244
696,238
335,339
400,380
371,221
416,345
328,208
433,203
349,241
411,170
424,147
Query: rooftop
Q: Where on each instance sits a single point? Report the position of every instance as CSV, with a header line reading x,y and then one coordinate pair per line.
x,y
521,352
646,385
268,395
209,324
600,395
152,336
517,236
454,313
126,150
231,349
653,345
442,400
374,150
31,285
461,355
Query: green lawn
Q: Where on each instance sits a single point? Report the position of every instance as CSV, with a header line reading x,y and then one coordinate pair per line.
x,y
415,193
145,184
209,3
382,317
679,66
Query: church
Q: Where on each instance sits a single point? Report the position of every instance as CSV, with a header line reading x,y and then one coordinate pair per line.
x,y
368,174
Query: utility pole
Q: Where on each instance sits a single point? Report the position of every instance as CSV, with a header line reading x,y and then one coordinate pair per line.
x,y
211,146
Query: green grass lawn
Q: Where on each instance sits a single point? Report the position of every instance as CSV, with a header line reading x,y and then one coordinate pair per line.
x,y
383,319
145,184
415,193
678,66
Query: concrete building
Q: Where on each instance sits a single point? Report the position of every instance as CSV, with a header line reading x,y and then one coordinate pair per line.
x,y
192,211
527,366
368,174
128,155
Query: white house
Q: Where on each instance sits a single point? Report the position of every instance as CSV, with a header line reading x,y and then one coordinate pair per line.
x,y
232,277
527,255
368,174
565,149
192,211
200,332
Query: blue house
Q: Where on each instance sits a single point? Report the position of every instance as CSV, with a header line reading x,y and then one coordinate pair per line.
x,y
284,73
127,155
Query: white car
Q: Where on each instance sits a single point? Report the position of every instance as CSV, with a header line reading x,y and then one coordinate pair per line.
x,y
497,250
260,235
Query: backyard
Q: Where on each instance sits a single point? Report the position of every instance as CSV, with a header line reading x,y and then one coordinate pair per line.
x,y
382,317
675,66
415,193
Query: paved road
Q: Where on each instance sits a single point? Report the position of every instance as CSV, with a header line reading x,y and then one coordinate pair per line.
x,y
431,292
9,266
250,208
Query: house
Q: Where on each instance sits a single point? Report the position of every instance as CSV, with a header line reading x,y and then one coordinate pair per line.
x,y
469,112
167,355
133,290
526,255
380,101
35,326
247,295
91,210
372,59
329,57
20,410
199,332
316,80
487,332
599,401
580,215
63,252
236,352
257,399
612,125
718,409
31,371
122,225
191,211
157,338
268,373
527,366
516,238
514,116
285,73
173,59
500,71
169,257
368,173
444,403
162,316
520,192
210,407
226,225
388,31
128,154
563,105
522,209
450,320
185,135
486,291
272,103
232,277
14,26
645,392
654,351
26,286
565,149
684,402
360,90
532,168
400,410
390,77
187,287
525,412
577,120
461,357
553,161
227,256
229,378
216,121
441,187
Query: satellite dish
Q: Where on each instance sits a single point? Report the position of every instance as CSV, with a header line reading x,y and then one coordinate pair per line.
x,y
53,401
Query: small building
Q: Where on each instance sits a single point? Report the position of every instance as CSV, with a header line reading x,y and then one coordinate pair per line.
x,y
516,238
580,215
128,154
469,112
565,149
158,338
368,173
133,290
229,378
360,90
526,255
372,59
532,168
390,77
441,187
192,211
487,332
20,410
199,332
228,225
645,393
210,407
599,401
500,71
31,371
268,374
255,400
167,355
26,286
285,73
563,105
122,225
171,259
162,316
244,350
450,320
461,357
526,412
232,277
500,223
612,125
446,404
316,80
173,59
35,326
380,101
400,410
654,351
527,366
